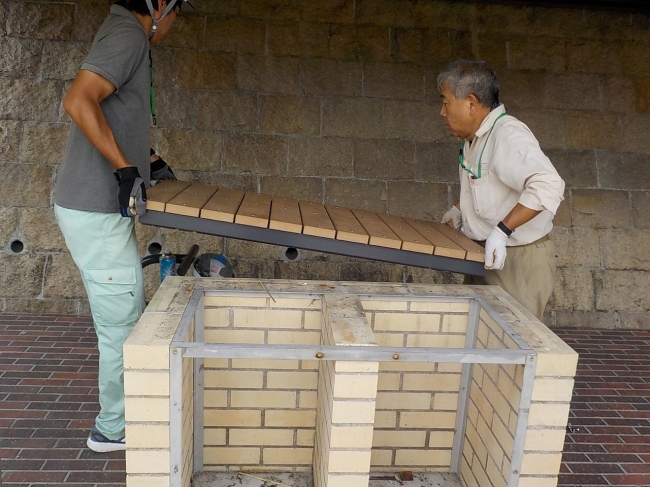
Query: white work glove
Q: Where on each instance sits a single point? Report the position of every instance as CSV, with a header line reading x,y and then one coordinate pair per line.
x,y
495,249
453,217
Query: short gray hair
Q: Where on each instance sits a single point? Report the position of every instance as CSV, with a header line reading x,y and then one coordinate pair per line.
x,y
465,77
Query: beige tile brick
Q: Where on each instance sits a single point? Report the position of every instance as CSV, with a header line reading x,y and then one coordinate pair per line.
x,y
428,382
454,324
349,461
217,317
541,463
147,461
424,458
234,336
145,409
377,305
548,414
214,437
407,366
389,339
313,320
293,338
297,303
403,400
261,437
298,419
234,301
231,456
441,439
537,481
445,402
263,399
396,439
215,363
291,380
233,417
450,368
381,457
308,400
388,382
146,383
146,356
439,307
309,364
147,480
288,456
215,398
439,341
385,419
551,440
305,438
351,437
153,435
429,323
264,364
263,318
355,386
438,420
234,379
356,412
356,367
556,390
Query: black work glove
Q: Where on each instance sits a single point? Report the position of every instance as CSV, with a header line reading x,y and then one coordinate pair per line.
x,y
132,195
159,170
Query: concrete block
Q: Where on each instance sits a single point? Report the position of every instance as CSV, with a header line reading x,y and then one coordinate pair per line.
x,y
621,249
618,170
329,156
367,43
18,268
87,19
188,33
633,137
578,247
546,125
593,130
566,92
206,70
187,149
577,167
601,209
538,53
593,56
384,159
574,289
290,115
291,38
21,58
501,18
236,112
347,193
339,11
418,200
40,231
413,120
521,89
175,108
401,81
34,21
301,188
621,94
260,154
9,140
30,100
349,117
434,161
268,74
235,34
330,77
621,290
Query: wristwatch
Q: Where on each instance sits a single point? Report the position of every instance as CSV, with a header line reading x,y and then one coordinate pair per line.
x,y
502,226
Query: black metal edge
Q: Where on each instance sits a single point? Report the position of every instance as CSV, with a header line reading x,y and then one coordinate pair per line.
x,y
310,242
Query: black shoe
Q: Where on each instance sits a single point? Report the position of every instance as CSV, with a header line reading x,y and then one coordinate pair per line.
x,y
100,444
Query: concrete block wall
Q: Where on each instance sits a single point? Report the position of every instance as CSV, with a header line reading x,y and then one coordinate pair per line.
x,y
335,102
348,418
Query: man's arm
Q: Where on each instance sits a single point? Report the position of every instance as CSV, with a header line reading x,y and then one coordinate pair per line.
x,y
519,215
82,104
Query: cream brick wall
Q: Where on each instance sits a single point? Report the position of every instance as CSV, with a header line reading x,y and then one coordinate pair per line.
x,y
343,419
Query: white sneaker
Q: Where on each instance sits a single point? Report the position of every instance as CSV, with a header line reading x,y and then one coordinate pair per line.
x,y
97,442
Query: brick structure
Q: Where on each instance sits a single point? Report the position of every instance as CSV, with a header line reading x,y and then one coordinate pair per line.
x,y
335,101
344,419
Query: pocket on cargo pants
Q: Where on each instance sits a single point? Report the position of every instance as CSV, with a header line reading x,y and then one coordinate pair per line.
x,y
113,296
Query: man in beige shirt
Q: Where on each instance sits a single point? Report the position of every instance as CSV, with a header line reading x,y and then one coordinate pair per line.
x,y
509,190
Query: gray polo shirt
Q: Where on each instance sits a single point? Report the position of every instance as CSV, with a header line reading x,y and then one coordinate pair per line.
x,y
119,53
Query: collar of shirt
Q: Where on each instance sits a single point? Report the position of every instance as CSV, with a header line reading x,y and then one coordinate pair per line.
x,y
126,13
488,121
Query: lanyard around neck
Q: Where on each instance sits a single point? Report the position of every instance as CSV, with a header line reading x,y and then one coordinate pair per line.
x,y
461,158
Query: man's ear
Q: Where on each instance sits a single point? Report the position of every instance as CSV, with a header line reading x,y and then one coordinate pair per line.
x,y
161,5
473,103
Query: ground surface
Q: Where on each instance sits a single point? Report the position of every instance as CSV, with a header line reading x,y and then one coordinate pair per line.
x,y
48,394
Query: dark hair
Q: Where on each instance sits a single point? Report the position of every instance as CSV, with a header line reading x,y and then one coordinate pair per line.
x,y
465,77
140,6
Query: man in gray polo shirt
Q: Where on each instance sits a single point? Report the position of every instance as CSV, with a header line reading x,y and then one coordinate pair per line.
x,y
101,186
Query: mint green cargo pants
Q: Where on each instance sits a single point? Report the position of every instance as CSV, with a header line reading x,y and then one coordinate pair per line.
x,y
104,248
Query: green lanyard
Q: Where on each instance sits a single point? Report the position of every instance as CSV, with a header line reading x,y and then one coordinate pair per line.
x,y
151,100
461,158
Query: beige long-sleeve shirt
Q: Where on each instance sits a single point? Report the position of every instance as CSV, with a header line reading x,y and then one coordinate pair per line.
x,y
513,170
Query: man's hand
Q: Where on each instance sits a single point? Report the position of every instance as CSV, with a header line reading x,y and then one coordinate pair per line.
x,y
495,249
132,195
159,169
453,218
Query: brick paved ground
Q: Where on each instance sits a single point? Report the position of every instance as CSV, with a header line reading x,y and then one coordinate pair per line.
x,y
48,368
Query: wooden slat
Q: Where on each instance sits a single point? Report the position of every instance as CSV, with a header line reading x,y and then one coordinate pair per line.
x,y
285,215
190,201
315,220
223,205
443,246
163,192
346,225
254,210
380,234
475,252
411,239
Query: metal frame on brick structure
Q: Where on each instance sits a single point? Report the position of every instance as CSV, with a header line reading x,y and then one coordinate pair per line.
x,y
193,322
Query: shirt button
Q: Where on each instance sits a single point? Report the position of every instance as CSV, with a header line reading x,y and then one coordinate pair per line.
x,y
110,278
